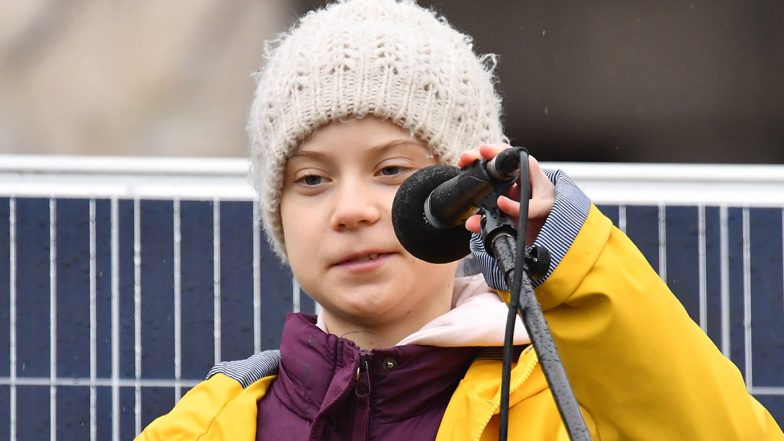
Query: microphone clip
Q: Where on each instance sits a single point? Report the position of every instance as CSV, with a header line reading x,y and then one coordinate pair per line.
x,y
494,224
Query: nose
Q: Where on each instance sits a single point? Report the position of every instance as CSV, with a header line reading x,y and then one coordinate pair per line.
x,y
355,204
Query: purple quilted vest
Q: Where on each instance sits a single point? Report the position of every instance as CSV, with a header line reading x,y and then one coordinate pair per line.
x,y
330,389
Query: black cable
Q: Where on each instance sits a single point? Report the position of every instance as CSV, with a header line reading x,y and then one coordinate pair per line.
x,y
506,370
514,299
522,226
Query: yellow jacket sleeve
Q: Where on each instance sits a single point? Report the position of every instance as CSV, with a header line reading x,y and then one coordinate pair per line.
x,y
636,361
216,409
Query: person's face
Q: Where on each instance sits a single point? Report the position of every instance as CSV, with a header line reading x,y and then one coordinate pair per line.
x,y
336,214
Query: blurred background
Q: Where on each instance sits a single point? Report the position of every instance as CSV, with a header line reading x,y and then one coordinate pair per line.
x,y
665,81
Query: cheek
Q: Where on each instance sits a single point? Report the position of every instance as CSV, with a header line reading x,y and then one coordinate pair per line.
x,y
387,196
294,224
430,274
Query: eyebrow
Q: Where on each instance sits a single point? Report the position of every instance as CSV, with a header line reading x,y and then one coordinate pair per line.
x,y
374,149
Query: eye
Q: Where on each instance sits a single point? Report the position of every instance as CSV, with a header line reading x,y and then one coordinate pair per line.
x,y
391,170
311,180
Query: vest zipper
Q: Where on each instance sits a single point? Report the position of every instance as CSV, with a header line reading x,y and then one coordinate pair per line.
x,y
362,390
527,371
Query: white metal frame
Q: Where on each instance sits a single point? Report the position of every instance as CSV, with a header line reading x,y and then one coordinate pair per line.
x,y
227,178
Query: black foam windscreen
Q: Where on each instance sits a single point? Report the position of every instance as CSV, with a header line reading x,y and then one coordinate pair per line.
x,y
415,233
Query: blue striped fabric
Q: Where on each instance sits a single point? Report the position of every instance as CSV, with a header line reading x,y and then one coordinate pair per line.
x,y
250,370
559,231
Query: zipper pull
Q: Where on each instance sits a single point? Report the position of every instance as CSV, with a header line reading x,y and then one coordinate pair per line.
x,y
362,404
362,386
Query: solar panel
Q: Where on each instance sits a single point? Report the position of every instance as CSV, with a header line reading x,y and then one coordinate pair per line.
x,y
114,307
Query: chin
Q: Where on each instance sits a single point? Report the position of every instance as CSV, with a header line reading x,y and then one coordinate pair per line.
x,y
369,313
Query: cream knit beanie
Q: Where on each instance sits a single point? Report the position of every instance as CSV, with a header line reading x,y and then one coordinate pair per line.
x,y
387,58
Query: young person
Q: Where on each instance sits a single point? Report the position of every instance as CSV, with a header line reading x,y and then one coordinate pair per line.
x,y
350,102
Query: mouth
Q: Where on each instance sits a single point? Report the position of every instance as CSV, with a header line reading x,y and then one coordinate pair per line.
x,y
367,258
362,259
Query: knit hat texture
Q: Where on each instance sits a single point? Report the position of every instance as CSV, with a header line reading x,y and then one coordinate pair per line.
x,y
391,59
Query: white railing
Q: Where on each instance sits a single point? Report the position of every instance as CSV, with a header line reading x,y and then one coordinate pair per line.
x,y
207,178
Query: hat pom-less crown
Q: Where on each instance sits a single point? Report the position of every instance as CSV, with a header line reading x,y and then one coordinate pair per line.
x,y
391,59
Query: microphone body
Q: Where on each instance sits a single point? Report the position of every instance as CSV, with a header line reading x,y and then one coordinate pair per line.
x,y
455,200
431,206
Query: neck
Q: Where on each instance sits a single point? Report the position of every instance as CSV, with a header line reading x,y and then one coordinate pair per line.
x,y
370,335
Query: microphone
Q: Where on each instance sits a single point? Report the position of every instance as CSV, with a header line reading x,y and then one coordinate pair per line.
x,y
431,206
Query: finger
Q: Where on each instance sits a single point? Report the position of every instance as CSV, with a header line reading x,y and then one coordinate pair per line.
x,y
537,176
542,199
539,208
468,157
484,151
536,208
473,224
489,151
509,207
513,192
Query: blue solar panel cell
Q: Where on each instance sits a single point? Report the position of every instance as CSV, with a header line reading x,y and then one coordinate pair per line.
x,y
5,291
156,401
73,413
713,270
103,288
73,288
276,297
5,411
124,300
197,288
32,288
642,226
735,268
126,417
32,413
767,301
103,411
157,289
236,259
611,211
682,257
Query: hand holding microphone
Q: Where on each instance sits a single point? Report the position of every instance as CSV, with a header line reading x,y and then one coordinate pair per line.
x,y
432,211
542,192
